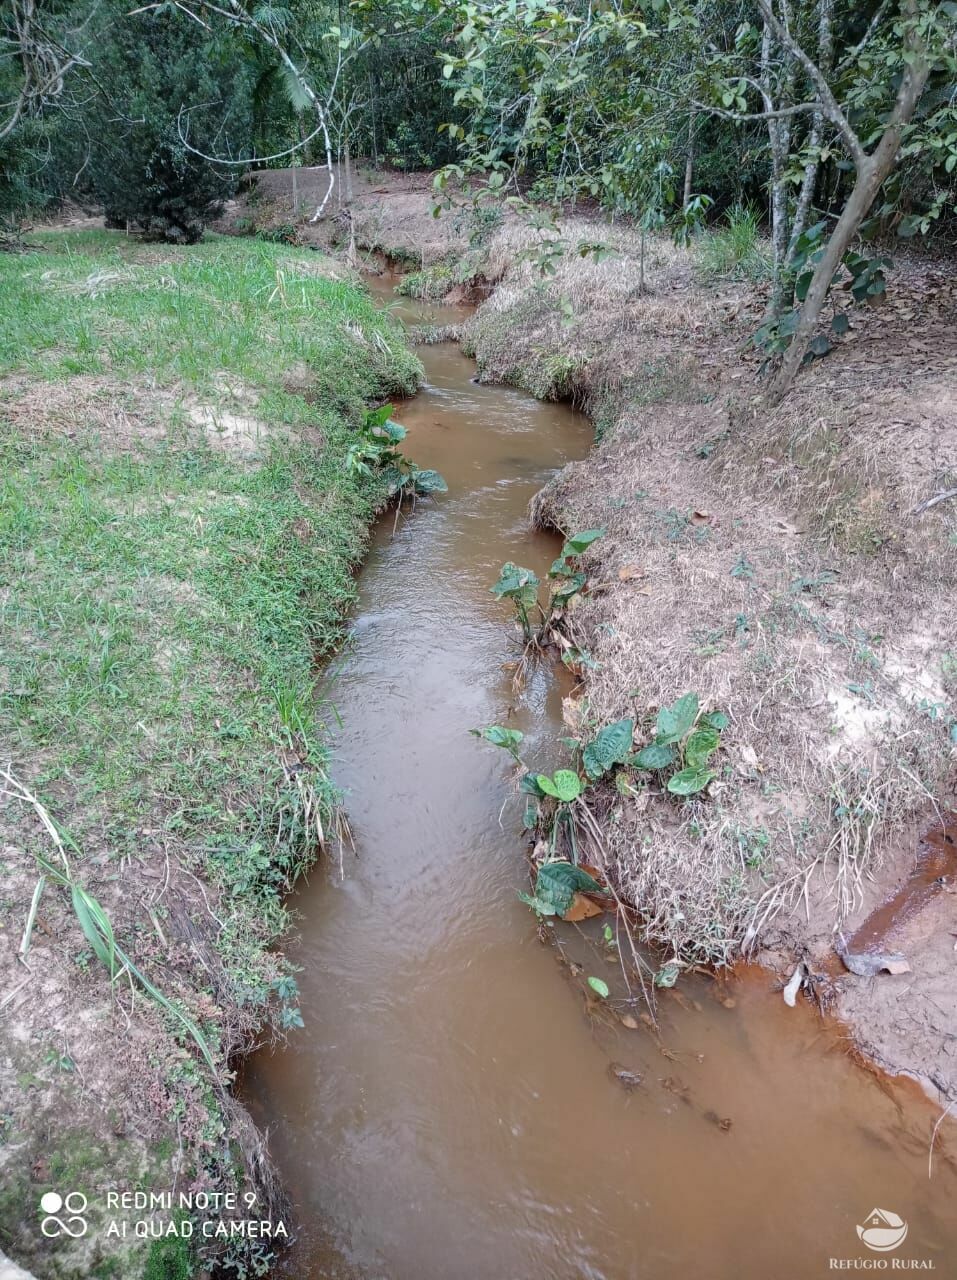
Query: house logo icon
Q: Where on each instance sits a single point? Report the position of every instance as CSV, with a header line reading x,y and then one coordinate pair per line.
x,y
882,1231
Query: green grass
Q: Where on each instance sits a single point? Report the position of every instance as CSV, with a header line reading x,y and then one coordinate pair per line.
x,y
96,302
163,607
735,250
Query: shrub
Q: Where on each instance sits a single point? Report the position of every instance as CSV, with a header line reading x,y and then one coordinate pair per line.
x,y
157,67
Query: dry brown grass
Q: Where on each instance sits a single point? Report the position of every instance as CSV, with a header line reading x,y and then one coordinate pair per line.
x,y
826,667
591,329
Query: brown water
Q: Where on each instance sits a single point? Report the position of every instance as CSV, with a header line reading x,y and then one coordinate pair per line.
x,y
934,869
451,1111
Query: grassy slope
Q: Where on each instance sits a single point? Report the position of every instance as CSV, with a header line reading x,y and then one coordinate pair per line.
x,y
164,599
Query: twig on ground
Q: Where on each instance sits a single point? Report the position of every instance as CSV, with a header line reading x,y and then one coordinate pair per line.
x,y
933,501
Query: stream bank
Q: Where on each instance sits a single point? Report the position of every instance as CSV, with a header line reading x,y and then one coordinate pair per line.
x,y
179,533
783,566
460,1103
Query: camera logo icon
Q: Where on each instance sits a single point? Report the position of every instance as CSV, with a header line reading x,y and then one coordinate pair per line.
x,y
73,1206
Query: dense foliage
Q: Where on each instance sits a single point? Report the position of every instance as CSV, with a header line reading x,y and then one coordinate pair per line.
x,y
833,118
152,66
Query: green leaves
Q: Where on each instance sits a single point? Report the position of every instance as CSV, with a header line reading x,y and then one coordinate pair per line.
x,y
564,786
840,323
578,542
687,782
556,886
379,417
656,756
570,587
700,745
510,739
686,737
96,926
425,482
375,453
516,583
675,721
574,546
611,746
599,987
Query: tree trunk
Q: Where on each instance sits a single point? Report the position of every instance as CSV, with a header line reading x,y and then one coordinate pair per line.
x,y
825,49
869,180
689,165
347,161
871,172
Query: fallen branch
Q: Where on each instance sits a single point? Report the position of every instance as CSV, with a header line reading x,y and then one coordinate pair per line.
x,y
932,502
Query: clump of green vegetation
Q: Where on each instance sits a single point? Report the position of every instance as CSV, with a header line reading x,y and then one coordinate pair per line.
x,y
558,805
374,454
735,250
432,283
521,586
685,740
169,1259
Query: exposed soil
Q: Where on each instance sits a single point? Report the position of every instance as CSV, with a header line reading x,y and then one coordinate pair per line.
x,y
795,568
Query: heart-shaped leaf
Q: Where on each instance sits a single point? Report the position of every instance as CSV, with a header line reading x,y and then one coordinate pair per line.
x,y
701,744
688,782
499,737
655,756
557,884
578,542
611,746
675,721
568,785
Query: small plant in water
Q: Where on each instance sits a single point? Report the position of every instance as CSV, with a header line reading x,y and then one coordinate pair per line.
x,y
521,586
376,453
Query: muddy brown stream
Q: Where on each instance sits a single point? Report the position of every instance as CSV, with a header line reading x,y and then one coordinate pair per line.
x,y
450,1111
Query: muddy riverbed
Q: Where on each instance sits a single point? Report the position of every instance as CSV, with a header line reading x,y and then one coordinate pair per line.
x,y
457,1106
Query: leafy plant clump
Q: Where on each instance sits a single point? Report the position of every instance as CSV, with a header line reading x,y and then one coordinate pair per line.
x,y
375,454
522,586
557,807
685,741
556,885
866,282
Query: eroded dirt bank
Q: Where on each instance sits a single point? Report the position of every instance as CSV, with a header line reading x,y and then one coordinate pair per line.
x,y
795,569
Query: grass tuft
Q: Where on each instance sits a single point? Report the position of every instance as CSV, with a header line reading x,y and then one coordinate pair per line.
x,y
736,249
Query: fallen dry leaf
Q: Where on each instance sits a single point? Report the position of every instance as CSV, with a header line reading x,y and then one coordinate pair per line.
x,y
582,908
628,1021
629,571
